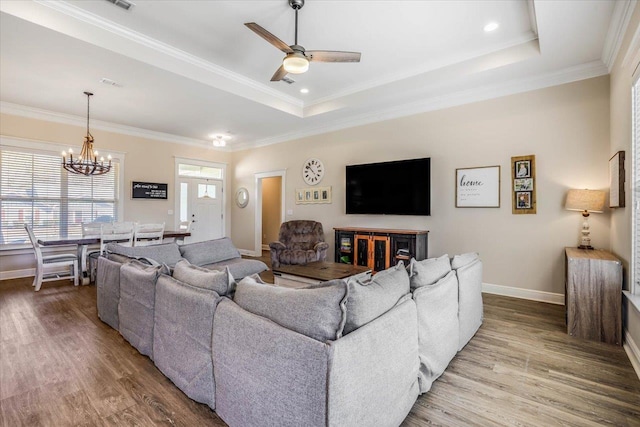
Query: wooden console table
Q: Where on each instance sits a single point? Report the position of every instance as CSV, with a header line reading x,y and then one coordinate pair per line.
x,y
593,295
379,248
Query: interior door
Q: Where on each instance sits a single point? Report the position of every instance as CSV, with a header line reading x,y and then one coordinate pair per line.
x,y
201,202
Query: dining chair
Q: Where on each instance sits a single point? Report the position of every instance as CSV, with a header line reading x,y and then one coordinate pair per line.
x,y
111,232
52,262
89,230
148,234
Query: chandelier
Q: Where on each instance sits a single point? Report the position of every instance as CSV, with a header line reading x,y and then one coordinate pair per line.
x,y
88,163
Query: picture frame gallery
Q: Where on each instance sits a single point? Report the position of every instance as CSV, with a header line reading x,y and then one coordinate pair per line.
x,y
523,180
311,195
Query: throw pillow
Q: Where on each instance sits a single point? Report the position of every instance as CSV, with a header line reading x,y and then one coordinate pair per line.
x,y
371,299
209,252
167,253
317,311
464,259
220,281
428,271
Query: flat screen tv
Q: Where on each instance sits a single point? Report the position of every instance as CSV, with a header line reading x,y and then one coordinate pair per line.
x,y
390,188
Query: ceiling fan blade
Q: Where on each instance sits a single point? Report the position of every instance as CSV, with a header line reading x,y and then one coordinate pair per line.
x,y
268,37
332,56
279,74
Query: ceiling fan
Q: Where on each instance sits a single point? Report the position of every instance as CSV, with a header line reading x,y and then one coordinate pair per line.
x,y
297,59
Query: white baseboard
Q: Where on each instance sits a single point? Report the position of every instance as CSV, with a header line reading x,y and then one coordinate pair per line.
x,y
529,294
265,247
632,351
248,252
17,274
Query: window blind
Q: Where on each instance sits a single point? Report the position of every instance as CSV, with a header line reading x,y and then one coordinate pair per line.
x,y
35,189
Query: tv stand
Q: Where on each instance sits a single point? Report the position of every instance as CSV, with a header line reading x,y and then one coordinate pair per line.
x,y
379,248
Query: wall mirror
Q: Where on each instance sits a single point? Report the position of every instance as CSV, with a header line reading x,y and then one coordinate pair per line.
x,y
242,197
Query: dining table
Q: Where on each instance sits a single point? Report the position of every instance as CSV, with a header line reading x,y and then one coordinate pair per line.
x,y
84,242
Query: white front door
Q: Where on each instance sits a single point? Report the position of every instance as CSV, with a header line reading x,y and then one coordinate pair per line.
x,y
201,202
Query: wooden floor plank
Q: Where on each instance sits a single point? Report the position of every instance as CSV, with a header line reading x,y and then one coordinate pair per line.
x,y
60,365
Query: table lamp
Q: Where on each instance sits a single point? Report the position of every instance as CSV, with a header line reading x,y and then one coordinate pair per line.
x,y
585,201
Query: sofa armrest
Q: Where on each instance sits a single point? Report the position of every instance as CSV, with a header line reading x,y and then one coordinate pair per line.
x,y
373,374
266,374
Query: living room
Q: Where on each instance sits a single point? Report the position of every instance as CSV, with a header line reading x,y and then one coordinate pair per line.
x,y
572,121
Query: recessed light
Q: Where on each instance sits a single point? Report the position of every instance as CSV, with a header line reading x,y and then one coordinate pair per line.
x,y
491,26
304,90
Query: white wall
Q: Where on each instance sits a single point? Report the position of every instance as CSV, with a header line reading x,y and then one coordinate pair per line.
x,y
621,82
566,127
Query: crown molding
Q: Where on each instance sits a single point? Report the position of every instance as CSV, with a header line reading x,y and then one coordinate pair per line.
x,y
617,28
68,119
567,75
66,18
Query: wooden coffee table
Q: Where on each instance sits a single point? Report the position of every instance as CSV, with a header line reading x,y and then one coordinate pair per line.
x,y
296,276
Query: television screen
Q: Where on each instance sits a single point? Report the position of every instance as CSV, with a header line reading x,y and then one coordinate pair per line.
x,y
390,188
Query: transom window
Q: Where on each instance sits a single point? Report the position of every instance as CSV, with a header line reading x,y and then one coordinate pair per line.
x,y
35,189
196,171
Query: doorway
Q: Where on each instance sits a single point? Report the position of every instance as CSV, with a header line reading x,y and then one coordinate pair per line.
x,y
270,208
200,198
201,203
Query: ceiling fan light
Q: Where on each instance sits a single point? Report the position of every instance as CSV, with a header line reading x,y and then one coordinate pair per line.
x,y
295,63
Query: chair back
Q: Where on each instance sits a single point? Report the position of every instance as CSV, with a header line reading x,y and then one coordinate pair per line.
x,y
185,226
34,243
117,232
92,229
148,234
300,234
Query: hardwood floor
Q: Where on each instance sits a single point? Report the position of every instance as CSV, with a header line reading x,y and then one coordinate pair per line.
x,y
60,365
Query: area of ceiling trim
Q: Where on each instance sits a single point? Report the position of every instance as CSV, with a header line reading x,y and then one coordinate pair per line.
x,y
559,77
69,119
617,29
82,25
568,75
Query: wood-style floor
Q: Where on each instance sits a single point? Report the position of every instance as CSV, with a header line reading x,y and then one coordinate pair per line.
x,y
60,365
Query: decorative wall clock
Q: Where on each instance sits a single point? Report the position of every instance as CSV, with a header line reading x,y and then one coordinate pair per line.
x,y
312,171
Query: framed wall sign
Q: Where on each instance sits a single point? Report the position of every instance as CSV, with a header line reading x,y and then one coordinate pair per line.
x,y
616,180
148,190
478,187
523,180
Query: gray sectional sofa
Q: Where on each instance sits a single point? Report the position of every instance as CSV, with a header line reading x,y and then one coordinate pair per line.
x,y
336,354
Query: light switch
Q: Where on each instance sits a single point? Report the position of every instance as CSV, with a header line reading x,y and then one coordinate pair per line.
x,y
289,212
170,212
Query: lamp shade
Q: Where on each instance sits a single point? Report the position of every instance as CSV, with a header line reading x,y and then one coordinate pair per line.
x,y
585,200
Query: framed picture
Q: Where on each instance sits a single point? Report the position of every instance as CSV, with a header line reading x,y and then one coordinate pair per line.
x,y
523,199
478,187
616,180
523,169
309,195
523,184
523,180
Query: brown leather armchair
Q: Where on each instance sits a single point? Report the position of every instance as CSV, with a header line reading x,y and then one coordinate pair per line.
x,y
299,242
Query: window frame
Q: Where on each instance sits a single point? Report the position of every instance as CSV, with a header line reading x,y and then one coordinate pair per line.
x,y
51,148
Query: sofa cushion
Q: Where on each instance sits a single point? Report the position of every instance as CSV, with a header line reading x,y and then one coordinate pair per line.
x,y
317,311
370,299
137,302
239,267
183,321
108,290
221,282
121,259
428,271
167,253
464,259
210,251
438,327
